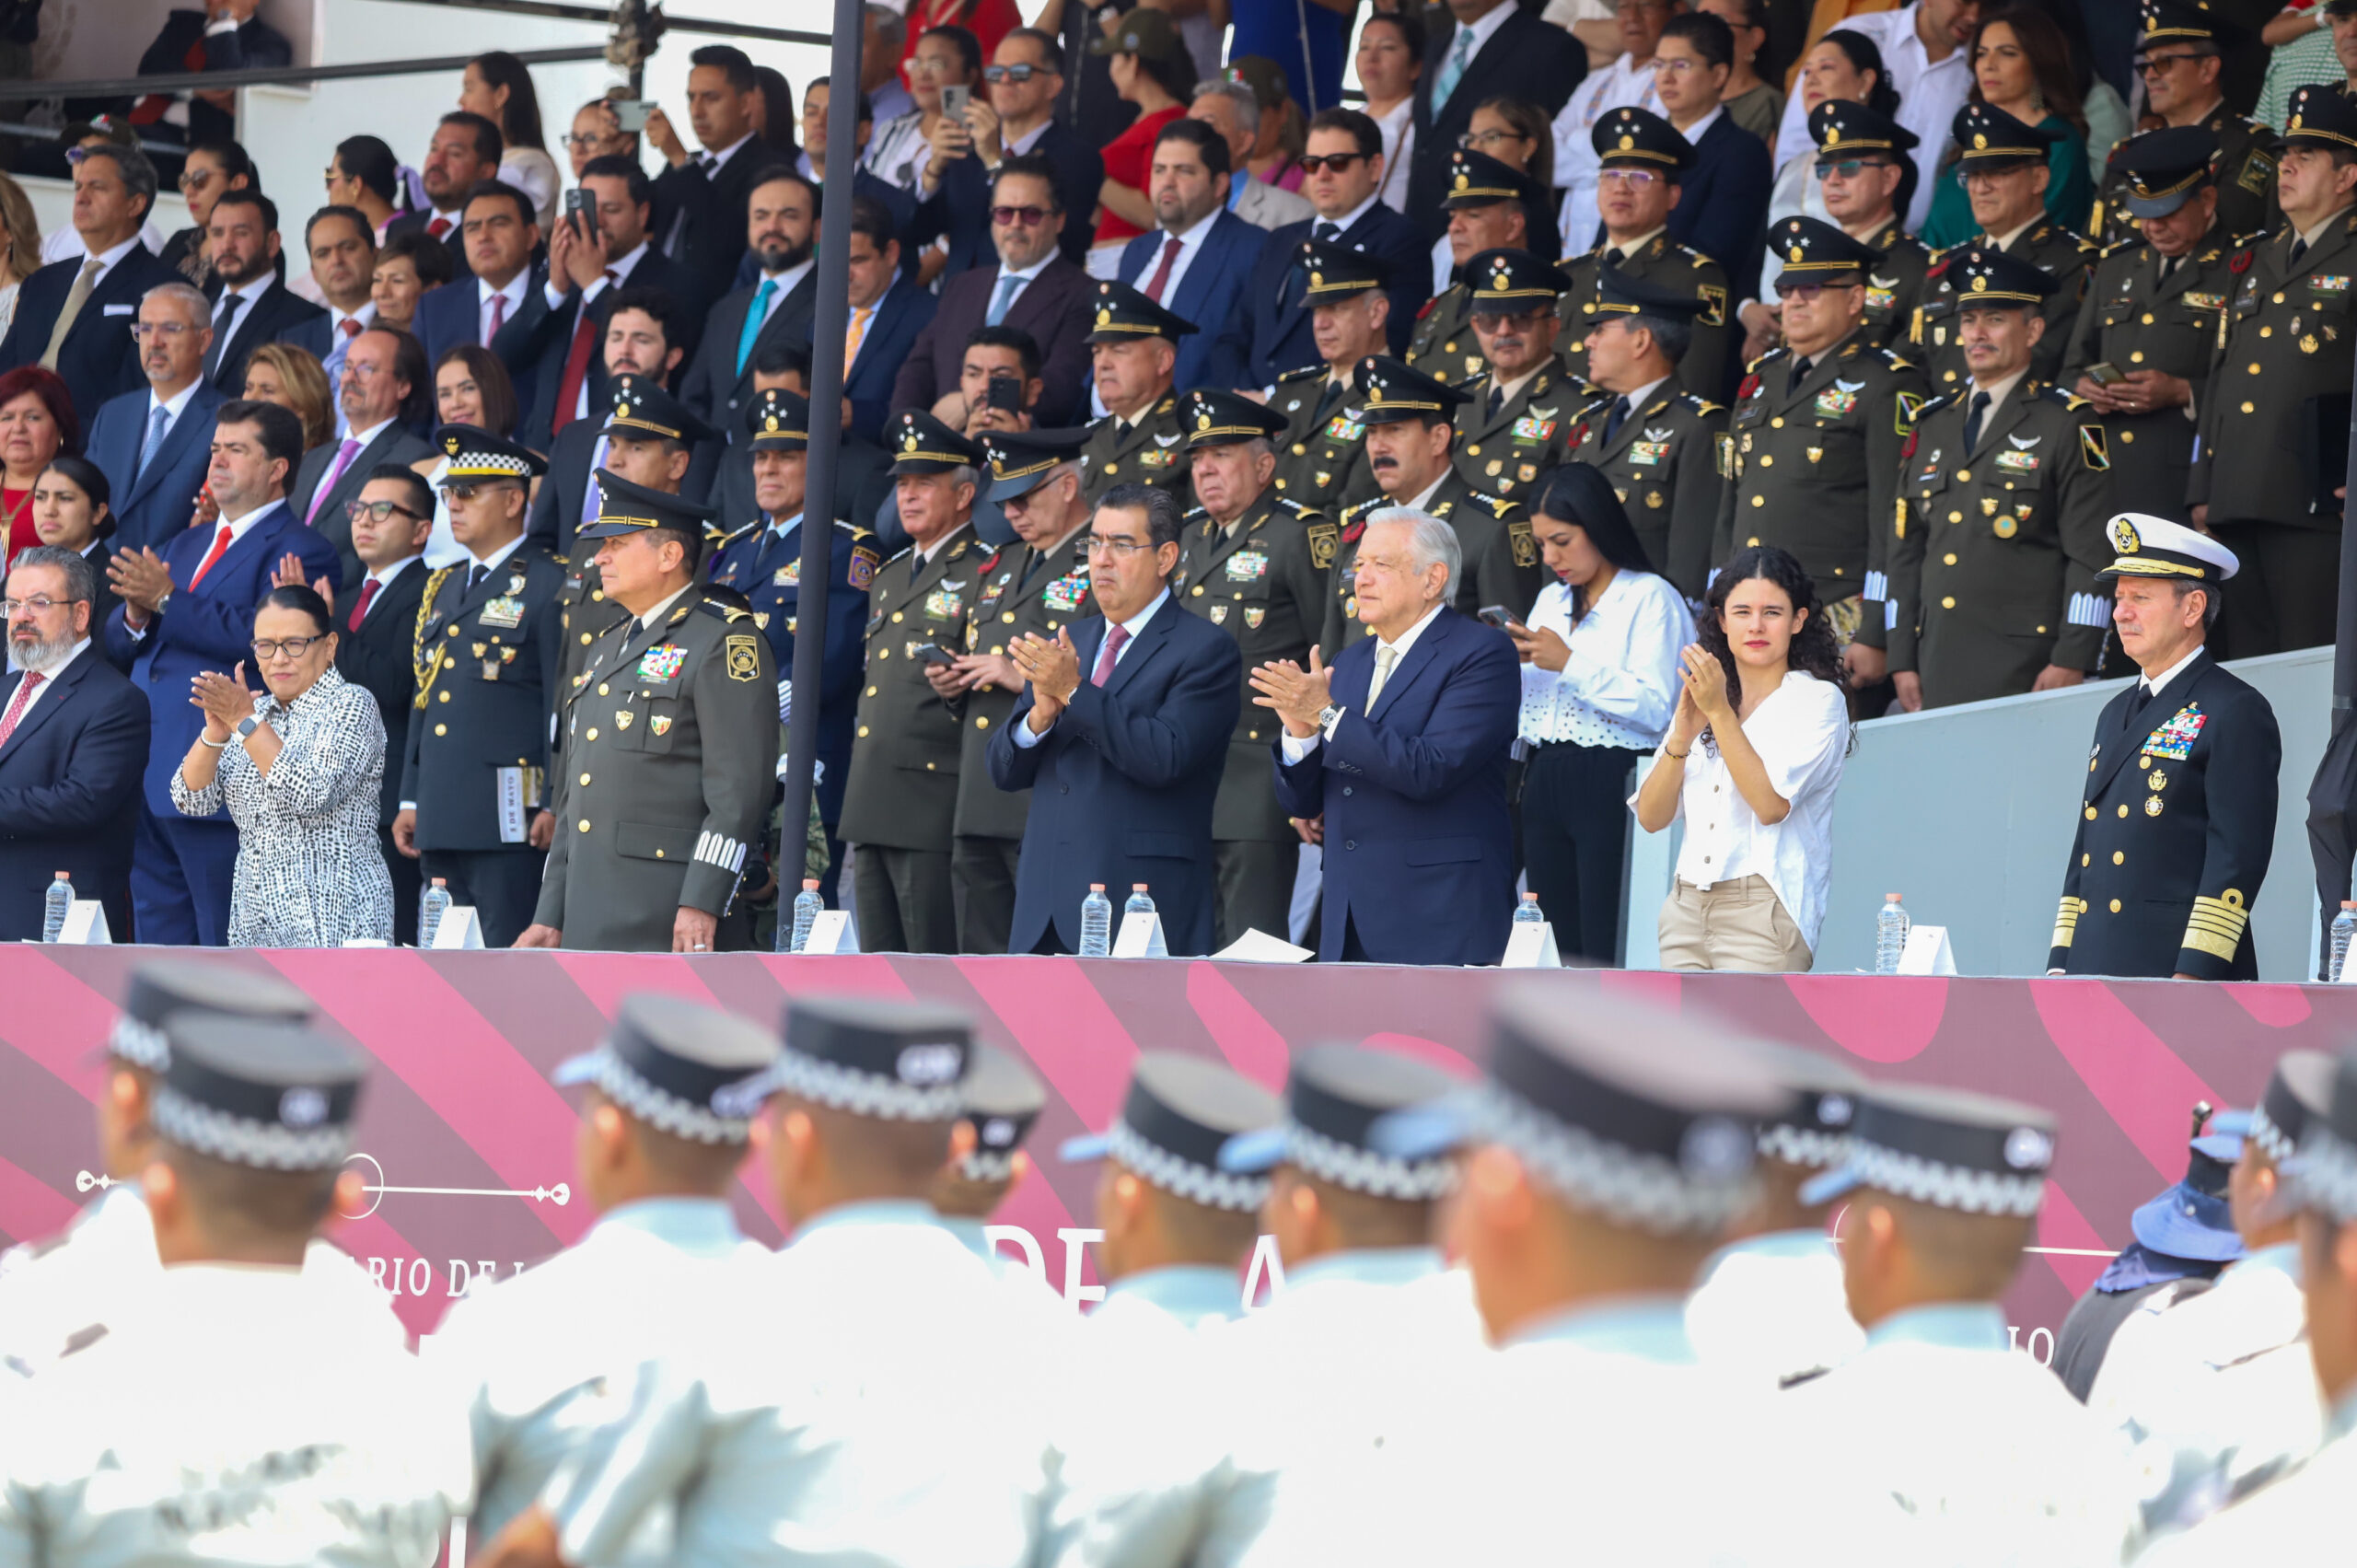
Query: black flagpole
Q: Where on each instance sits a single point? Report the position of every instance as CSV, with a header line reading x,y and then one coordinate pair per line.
x,y
2332,793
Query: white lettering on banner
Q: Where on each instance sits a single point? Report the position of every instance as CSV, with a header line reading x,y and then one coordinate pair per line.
x,y
2044,1357
1076,1253
1265,1262
998,1235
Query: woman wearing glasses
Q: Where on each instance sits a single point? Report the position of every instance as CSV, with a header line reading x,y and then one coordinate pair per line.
x,y
300,767
211,170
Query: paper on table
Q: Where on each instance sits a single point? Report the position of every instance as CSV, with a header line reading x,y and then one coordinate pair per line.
x,y
1257,947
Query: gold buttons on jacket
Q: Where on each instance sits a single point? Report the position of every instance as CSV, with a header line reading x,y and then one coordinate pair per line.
x,y
441,730
590,734
2120,857
2115,906
582,825
601,689
1964,476
2123,811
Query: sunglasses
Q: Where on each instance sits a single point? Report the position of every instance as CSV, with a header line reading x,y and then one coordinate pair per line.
x,y
1029,217
1808,291
1017,74
464,493
1851,168
1337,162
2160,64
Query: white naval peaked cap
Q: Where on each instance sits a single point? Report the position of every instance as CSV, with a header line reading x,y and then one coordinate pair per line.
x,y
2147,546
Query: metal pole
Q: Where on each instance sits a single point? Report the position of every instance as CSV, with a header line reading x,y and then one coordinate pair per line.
x,y
274,76
600,15
833,309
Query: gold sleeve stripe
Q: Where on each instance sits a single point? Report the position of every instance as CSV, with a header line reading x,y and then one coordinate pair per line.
x,y
2066,920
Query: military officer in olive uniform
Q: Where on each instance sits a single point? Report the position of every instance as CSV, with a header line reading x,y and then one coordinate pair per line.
x,y
1490,206
1813,448
1518,423
2004,163
1854,143
1409,435
1657,445
2179,818
1133,349
1037,584
2274,427
2179,50
901,802
2150,324
1321,452
1642,156
1999,531
1254,564
672,742
475,762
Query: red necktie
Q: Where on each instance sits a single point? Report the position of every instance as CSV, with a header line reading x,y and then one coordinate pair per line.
x,y
368,596
220,543
349,327
19,703
576,361
438,226
1161,279
1114,637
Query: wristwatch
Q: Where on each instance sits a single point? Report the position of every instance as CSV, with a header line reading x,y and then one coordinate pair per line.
x,y
1327,716
247,726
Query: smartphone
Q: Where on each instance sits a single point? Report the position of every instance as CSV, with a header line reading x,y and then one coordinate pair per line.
x,y
1007,393
931,654
629,114
581,211
1496,615
2105,374
953,100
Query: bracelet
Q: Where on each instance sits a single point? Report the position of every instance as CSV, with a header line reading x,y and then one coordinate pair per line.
x,y
216,745
1680,756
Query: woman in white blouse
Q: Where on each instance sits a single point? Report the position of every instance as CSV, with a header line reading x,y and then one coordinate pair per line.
x,y
1599,682
1750,763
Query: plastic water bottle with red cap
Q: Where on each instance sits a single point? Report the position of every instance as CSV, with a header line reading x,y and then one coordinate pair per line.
x,y
1890,934
60,898
1096,922
807,907
2344,930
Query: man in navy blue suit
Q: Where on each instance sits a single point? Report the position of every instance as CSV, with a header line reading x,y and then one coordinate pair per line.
x,y
250,305
888,311
153,445
71,314
1120,736
1402,750
1198,259
1722,194
189,608
72,739
1345,167
499,236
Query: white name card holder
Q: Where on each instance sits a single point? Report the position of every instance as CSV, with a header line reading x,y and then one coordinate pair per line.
x,y
85,925
1140,937
1531,947
1257,947
458,931
832,933
1927,951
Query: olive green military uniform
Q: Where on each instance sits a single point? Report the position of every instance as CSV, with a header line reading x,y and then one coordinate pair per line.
x,y
1443,345
1501,563
2059,252
1993,562
1509,453
901,800
1020,591
670,748
2136,319
2247,151
1664,464
1664,263
583,615
1262,581
1895,283
1321,456
1152,451
1813,468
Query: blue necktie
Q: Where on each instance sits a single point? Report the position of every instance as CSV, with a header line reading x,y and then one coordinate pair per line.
x,y
591,498
753,320
1002,300
1453,70
157,423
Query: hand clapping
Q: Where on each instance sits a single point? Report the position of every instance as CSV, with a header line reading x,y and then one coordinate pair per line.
x,y
1296,695
225,700
1051,668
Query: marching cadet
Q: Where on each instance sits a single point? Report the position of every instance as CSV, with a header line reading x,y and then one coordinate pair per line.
x,y
900,799
1037,585
266,1428
763,560
1517,426
1321,452
1943,1190
1133,346
1999,531
2004,168
1253,562
2169,853
1642,156
1408,439
1813,448
670,748
667,1102
2150,325
1002,1099
1862,159
2179,59
2275,422
475,797
1657,444
1489,205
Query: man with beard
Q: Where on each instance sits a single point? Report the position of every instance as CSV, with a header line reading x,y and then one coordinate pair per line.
x,y
152,443
465,151
781,219
250,305
643,338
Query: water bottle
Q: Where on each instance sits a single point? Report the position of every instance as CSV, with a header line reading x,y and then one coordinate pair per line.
x,y
807,907
1096,922
432,905
1890,934
60,898
2344,929
1139,903
1527,912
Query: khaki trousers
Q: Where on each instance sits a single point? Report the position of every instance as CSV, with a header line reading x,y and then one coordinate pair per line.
x,y
1733,926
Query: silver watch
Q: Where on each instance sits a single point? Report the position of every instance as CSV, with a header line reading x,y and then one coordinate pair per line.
x,y
1326,717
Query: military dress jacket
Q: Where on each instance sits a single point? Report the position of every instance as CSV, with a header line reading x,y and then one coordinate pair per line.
x,y
1264,585
2175,831
2057,251
2136,319
583,614
1813,467
1154,451
1443,345
2245,173
475,760
1662,262
1502,565
669,767
1511,452
1321,456
1020,591
1664,463
1895,283
1995,551
902,792
2277,394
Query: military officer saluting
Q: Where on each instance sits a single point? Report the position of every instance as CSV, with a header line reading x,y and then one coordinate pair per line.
x,y
1642,156
1660,445
1321,452
1999,531
2150,324
2179,818
1489,205
1133,347
2179,57
475,792
1518,424
1255,563
670,748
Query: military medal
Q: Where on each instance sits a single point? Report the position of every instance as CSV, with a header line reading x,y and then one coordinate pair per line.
x,y
1652,499
660,724
1247,566
516,583
1254,616
624,718
1497,466
491,669
662,663
1219,615
2152,805
504,612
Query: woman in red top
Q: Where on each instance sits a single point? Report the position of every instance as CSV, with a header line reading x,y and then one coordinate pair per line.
x,y
988,20
1151,68
36,423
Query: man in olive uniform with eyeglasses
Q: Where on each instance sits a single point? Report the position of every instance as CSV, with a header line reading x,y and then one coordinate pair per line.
x,y
1132,345
1321,452
1519,423
2179,59
1490,206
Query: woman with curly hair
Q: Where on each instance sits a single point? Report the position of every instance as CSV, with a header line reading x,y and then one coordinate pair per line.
x,y
1752,759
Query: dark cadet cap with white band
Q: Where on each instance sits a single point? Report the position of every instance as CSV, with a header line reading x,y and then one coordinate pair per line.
x,y
159,991
1334,1095
1820,1108
2298,1092
682,1068
1180,1112
1003,1097
1972,1154
272,1096
893,1060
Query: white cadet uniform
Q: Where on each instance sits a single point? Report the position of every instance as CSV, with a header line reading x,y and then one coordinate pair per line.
x,y
229,1415
2299,1517
1772,1309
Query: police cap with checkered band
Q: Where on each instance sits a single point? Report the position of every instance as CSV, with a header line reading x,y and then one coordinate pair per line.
x,y
475,455
894,1060
1003,1097
1334,1095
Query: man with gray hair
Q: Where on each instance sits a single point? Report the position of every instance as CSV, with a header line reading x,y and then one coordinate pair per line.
x,y
71,314
1416,719
153,443
1228,105
879,64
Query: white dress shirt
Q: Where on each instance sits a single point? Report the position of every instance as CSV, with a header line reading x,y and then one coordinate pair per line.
x,y
1342,225
1023,280
239,527
48,679
1398,129
513,294
1297,747
65,245
1621,684
787,282
1026,737
173,407
1191,245
2154,685
1624,83
1483,31
383,577
1929,95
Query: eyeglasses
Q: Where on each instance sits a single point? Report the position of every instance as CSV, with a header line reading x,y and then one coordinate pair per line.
x,y
575,139
1029,217
1986,177
1501,322
1337,162
1017,74
1676,67
375,511
1851,168
1638,177
462,494
1489,138
40,604
2160,64
293,647
1808,291
1118,549
165,330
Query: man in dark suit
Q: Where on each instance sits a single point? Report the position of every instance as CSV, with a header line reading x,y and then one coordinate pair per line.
x,y
71,314
191,608
73,740
1722,194
251,305
1122,736
465,151
1401,748
1345,163
153,445
342,250
377,644
782,220
223,36
1015,117
1199,258
638,346
700,199
501,237
811,164
1496,50
385,390
888,311
1032,287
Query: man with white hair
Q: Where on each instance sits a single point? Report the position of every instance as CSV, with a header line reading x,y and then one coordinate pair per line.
x,y
1417,718
153,443
1228,106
